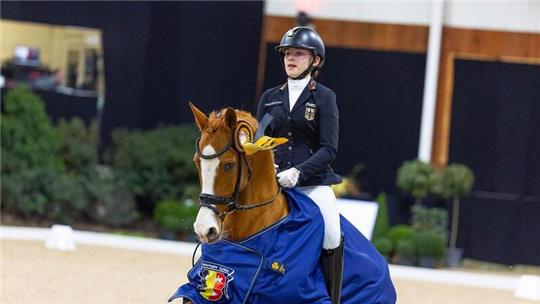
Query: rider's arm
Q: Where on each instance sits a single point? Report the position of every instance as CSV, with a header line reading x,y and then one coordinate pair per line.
x,y
328,138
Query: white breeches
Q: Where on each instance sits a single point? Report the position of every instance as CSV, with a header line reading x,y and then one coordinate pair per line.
x,y
325,198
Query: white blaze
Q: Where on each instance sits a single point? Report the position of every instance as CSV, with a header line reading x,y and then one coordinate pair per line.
x,y
206,218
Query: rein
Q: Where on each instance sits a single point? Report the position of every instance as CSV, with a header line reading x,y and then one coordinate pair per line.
x,y
209,200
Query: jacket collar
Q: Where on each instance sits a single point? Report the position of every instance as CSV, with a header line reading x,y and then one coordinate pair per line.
x,y
306,93
312,85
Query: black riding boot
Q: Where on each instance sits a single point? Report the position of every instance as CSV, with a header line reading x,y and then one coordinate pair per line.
x,y
332,265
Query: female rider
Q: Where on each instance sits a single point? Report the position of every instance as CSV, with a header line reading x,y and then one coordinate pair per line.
x,y
305,112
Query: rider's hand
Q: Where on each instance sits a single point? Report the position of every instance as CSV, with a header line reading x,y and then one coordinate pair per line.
x,y
288,178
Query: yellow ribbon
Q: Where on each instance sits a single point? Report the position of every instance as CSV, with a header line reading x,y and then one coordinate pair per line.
x,y
263,143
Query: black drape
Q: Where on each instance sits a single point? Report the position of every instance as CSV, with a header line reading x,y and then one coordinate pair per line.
x,y
495,131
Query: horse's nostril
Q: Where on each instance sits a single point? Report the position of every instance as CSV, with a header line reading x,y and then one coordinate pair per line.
x,y
212,233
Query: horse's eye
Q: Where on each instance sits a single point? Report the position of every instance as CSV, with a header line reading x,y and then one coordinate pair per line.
x,y
229,166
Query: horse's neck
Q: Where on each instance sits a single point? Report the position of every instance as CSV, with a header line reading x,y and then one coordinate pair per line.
x,y
261,187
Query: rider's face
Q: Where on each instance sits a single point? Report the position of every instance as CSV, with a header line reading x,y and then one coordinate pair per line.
x,y
296,61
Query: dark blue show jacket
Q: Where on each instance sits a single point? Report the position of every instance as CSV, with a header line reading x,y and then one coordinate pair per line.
x,y
312,128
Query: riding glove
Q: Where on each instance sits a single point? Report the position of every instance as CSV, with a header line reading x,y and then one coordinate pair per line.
x,y
288,178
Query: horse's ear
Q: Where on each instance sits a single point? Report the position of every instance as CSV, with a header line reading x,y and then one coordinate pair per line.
x,y
230,118
200,118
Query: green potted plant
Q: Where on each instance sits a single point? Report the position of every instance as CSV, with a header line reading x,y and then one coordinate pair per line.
x,y
430,246
415,177
400,232
397,233
382,223
384,246
424,218
406,251
187,218
173,216
453,183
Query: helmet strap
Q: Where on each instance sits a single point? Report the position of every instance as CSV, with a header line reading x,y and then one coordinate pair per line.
x,y
308,71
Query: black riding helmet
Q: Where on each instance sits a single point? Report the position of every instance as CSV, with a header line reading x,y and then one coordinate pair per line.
x,y
303,37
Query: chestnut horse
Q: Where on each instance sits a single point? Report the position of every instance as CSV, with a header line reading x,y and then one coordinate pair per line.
x,y
267,240
240,195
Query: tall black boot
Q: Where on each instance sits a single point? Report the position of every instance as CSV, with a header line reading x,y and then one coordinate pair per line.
x,y
332,265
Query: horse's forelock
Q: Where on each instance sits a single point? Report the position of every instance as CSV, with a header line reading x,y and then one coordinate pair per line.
x,y
215,121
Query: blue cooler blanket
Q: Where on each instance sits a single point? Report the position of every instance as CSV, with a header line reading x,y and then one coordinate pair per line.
x,y
281,265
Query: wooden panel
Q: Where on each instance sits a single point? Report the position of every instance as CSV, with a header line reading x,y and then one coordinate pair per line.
x,y
479,45
362,35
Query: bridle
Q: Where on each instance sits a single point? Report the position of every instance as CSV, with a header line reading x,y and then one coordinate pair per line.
x,y
209,201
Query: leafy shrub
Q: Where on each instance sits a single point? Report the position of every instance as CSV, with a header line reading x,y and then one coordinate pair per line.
x,y
30,157
53,172
29,140
22,192
406,248
111,201
44,192
415,177
78,144
382,224
156,164
455,181
172,215
192,192
424,219
189,215
430,244
384,246
67,200
400,232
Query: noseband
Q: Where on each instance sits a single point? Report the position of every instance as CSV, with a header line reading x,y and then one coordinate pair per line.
x,y
209,200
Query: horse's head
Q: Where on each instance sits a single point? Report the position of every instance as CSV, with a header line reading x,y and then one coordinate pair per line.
x,y
223,159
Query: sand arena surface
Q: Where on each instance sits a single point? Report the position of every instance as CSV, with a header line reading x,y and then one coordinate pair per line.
x,y
31,273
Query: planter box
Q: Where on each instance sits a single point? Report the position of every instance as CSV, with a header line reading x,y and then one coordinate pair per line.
x,y
406,261
427,262
168,235
453,257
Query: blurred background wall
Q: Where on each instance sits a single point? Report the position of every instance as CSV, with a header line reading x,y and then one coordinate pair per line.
x,y
160,55
487,104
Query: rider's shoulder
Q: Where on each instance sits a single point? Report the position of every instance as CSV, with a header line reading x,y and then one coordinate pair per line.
x,y
324,89
271,92
274,89
324,94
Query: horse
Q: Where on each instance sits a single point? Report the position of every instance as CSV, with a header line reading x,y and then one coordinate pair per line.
x,y
262,243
